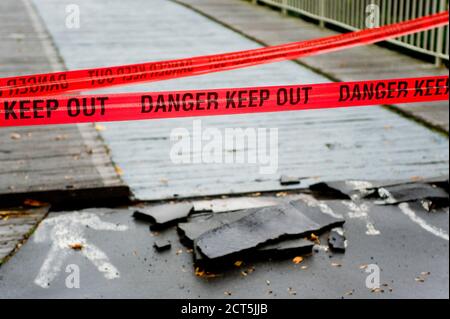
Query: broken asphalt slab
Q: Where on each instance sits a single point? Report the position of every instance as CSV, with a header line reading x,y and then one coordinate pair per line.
x,y
163,216
414,192
191,231
403,250
262,226
408,190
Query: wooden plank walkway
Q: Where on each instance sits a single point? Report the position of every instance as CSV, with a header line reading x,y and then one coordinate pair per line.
x,y
361,143
57,164
270,27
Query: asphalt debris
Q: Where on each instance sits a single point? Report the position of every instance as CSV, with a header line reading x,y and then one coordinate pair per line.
x,y
343,189
163,216
337,240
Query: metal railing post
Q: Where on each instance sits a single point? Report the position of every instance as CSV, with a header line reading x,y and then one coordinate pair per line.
x,y
284,7
322,13
440,36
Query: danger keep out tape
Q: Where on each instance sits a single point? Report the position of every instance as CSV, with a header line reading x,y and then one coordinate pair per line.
x,y
79,80
140,106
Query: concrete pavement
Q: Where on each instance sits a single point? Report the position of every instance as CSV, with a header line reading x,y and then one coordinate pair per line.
x,y
363,143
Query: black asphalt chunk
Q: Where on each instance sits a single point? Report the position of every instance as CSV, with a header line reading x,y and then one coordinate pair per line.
x,y
163,216
414,192
322,219
442,182
162,245
289,180
283,249
286,248
337,240
259,227
198,225
342,189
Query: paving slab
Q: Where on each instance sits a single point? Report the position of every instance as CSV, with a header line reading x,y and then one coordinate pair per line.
x,y
129,267
368,143
57,164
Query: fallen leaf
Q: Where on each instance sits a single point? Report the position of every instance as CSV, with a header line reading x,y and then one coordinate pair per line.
x,y
100,128
334,264
76,246
204,274
61,138
281,194
34,203
377,290
363,266
313,237
350,293
118,170
297,260
15,136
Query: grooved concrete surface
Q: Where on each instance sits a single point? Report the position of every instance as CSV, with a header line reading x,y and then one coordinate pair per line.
x,y
361,143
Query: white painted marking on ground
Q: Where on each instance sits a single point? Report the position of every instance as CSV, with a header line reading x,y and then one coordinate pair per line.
x,y
361,186
324,208
361,211
68,229
231,204
438,232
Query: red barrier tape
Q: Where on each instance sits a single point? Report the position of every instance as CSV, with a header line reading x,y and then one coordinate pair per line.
x,y
124,107
60,82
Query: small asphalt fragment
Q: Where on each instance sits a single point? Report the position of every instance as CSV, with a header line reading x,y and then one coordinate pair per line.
x,y
259,227
162,245
289,180
164,216
337,240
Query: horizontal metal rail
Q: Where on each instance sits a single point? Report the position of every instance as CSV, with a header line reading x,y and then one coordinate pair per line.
x,y
361,14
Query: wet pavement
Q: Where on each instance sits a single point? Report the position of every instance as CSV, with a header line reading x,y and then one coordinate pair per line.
x,y
118,260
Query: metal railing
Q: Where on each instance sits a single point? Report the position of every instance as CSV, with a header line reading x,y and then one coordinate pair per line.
x,y
356,15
